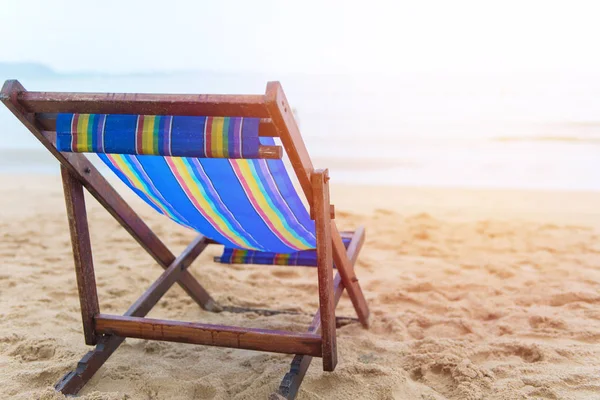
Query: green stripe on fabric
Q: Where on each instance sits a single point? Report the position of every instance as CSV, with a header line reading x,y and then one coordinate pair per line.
x,y
90,131
225,137
155,134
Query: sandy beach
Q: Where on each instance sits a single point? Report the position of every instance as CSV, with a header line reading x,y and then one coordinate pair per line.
x,y
474,294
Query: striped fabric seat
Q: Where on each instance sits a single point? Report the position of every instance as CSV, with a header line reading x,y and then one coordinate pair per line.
x,y
241,203
304,258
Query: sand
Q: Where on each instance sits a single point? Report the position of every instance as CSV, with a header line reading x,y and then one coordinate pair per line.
x,y
474,295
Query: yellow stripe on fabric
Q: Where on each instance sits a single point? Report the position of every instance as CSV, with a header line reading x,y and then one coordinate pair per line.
x,y
239,256
124,166
282,259
148,134
195,189
82,133
93,118
217,137
267,208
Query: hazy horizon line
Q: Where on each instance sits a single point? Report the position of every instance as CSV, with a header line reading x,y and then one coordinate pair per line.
x,y
48,70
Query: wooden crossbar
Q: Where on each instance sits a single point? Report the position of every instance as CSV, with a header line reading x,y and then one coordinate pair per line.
x,y
208,105
210,335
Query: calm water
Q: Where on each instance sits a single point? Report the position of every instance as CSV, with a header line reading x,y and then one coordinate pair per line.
x,y
531,131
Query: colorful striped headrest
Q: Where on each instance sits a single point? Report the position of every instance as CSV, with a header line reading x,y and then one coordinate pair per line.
x,y
165,135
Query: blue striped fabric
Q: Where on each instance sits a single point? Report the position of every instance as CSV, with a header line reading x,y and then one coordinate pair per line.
x,y
210,199
304,258
241,203
167,135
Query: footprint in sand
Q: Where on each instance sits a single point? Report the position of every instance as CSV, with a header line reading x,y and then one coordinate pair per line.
x,y
451,375
530,353
543,322
65,316
285,273
570,297
117,292
383,211
34,350
204,391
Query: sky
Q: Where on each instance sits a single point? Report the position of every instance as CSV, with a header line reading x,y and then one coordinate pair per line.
x,y
310,36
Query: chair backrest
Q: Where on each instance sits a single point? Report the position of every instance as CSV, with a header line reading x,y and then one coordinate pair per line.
x,y
184,118
243,199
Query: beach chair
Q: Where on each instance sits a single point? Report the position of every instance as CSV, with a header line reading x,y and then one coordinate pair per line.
x,y
210,163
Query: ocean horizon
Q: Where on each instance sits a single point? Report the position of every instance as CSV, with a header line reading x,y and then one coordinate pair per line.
x,y
527,131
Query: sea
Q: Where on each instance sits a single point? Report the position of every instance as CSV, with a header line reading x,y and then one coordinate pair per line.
x,y
528,130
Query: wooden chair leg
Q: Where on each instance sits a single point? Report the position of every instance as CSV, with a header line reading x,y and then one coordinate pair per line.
x,y
320,185
290,384
82,253
73,381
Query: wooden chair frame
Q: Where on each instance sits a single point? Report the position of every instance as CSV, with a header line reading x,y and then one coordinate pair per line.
x,y
37,111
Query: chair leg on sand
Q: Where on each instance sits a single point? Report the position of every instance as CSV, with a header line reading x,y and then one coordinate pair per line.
x,y
73,381
320,185
290,384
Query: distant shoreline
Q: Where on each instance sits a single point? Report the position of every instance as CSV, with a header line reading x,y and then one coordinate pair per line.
x,y
565,139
